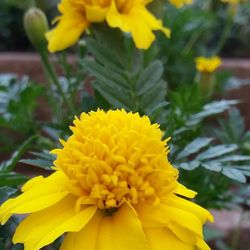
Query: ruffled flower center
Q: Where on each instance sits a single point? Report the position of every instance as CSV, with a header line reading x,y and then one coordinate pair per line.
x,y
116,157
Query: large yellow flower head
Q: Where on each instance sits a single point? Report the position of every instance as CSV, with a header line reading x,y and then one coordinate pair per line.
x,y
113,188
128,15
207,65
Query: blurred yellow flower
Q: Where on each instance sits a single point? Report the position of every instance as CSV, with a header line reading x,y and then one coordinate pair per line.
x,y
207,65
128,15
113,188
180,3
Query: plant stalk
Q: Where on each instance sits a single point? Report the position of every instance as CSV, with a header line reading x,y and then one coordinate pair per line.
x,y
51,72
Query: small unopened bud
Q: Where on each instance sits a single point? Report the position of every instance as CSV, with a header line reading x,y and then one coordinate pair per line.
x,y
36,25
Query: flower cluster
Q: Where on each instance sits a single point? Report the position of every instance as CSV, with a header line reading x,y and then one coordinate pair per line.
x,y
113,188
128,15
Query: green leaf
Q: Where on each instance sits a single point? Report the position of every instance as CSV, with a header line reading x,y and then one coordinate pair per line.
x,y
104,55
152,98
104,74
44,160
190,165
217,151
194,146
11,179
5,193
235,158
210,109
37,163
11,163
115,96
234,174
212,166
149,77
123,75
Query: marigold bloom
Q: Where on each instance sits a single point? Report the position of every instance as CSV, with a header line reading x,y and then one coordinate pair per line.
x,y
128,15
180,3
207,65
113,188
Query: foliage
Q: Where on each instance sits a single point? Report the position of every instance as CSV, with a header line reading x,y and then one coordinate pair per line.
x,y
210,144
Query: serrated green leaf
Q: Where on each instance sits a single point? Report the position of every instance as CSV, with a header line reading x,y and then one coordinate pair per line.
x,y
119,99
104,74
152,98
149,77
104,55
194,147
234,174
216,151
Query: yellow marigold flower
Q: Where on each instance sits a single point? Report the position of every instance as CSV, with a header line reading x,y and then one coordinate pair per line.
x,y
128,15
207,65
113,188
180,3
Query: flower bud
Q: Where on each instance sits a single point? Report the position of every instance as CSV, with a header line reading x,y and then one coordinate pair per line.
x,y
36,25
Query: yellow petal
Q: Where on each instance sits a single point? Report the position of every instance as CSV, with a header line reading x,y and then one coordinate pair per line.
x,y
120,231
39,194
95,13
152,216
67,32
202,245
164,239
32,183
89,234
163,214
183,234
182,190
138,21
193,208
43,227
184,219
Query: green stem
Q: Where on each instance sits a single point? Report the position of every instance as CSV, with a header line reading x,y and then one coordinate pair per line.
x,y
51,72
225,35
192,41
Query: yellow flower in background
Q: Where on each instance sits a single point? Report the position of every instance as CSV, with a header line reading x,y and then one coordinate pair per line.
x,y
113,188
128,15
207,65
180,3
